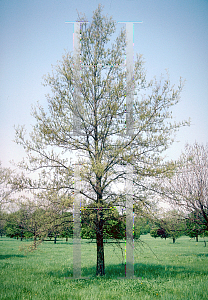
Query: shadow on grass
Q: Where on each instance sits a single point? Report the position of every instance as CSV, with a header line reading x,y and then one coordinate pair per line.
x,y
84,241
10,256
144,271
152,271
58,242
113,271
202,254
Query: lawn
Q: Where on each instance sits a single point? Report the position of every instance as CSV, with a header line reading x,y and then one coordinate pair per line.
x,y
162,271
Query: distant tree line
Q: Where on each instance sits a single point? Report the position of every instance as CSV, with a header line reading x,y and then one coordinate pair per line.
x,y
41,224
173,225
46,224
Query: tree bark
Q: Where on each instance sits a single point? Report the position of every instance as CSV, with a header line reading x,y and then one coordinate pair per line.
x,y
173,240
197,238
100,246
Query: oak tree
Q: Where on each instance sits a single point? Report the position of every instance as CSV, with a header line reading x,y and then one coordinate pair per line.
x,y
104,149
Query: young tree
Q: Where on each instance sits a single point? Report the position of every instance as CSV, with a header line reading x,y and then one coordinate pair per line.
x,y
49,216
100,77
195,225
170,225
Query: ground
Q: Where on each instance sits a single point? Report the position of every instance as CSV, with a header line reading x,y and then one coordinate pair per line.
x,y
162,271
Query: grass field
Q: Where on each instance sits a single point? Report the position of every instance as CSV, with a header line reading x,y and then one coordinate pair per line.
x,y
180,271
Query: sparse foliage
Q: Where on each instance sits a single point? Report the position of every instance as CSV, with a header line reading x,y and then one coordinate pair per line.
x,y
188,188
104,149
5,189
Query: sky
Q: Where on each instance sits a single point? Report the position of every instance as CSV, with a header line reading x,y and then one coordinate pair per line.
x,y
34,36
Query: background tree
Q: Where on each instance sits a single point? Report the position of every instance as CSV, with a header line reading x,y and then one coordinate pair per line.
x,y
66,228
154,232
104,149
15,225
195,225
5,188
59,224
3,217
203,235
142,225
188,188
146,210
49,215
171,226
168,225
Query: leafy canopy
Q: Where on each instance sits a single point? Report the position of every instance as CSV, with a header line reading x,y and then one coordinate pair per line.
x,y
92,89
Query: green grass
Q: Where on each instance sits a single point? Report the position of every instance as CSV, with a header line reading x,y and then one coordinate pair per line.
x,y
178,272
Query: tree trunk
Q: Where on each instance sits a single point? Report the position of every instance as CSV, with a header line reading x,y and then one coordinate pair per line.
x,y
173,240
100,247
55,239
205,244
197,238
67,239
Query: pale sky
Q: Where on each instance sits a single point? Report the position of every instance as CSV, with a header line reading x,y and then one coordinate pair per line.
x,y
34,35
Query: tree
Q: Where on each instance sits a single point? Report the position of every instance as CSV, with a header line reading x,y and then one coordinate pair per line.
x,y
48,217
5,191
104,148
15,225
66,228
59,224
2,223
171,226
203,235
154,232
188,188
142,225
195,225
